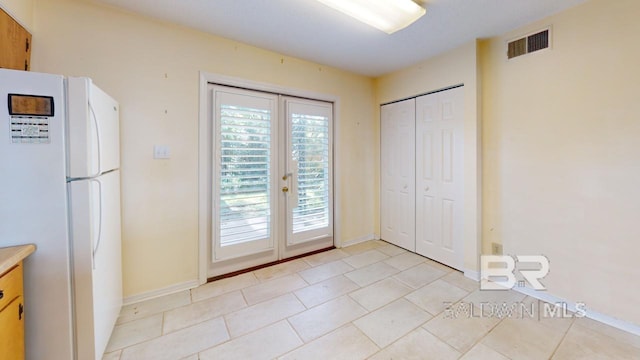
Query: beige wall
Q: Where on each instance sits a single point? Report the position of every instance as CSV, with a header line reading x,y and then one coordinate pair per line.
x,y
559,152
21,10
152,68
453,68
562,157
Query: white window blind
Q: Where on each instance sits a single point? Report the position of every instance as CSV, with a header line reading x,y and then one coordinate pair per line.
x,y
310,148
245,153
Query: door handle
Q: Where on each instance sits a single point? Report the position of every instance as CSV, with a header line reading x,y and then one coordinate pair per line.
x,y
96,245
285,189
95,121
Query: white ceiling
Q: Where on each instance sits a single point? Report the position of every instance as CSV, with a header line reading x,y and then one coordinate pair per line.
x,y
309,30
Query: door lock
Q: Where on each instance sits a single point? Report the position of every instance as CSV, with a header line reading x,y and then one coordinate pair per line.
x,y
285,189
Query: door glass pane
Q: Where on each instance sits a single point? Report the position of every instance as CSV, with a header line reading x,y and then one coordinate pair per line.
x,y
245,155
310,149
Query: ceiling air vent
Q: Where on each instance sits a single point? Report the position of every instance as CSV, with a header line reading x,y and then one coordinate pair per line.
x,y
528,44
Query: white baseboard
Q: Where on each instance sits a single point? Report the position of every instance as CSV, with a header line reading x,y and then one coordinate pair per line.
x,y
605,319
160,292
472,274
570,305
358,240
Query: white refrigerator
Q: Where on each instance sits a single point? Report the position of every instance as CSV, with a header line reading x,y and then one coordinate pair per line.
x,y
60,189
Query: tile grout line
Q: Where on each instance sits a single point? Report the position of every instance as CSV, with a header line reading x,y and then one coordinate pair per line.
x,y
487,334
348,295
443,340
564,336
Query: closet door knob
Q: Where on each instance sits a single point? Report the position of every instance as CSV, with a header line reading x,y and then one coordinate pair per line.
x,y
426,189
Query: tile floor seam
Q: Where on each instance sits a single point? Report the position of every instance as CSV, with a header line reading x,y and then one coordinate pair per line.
x,y
564,336
119,355
301,302
445,341
367,336
144,341
409,285
400,338
607,335
262,327
243,295
487,334
454,285
310,265
297,334
485,345
162,334
484,329
437,337
475,343
198,322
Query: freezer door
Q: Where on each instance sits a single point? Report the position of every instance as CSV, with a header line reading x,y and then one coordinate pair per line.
x,y
97,261
33,209
93,130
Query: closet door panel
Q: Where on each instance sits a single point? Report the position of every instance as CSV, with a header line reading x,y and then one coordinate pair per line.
x,y
397,199
439,181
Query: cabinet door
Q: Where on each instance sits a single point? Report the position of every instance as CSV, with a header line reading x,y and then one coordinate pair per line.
x,y
15,44
397,183
12,331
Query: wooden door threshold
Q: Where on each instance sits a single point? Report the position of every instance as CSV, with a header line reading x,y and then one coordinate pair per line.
x,y
243,271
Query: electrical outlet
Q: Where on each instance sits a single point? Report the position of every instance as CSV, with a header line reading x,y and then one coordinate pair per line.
x,y
496,249
161,152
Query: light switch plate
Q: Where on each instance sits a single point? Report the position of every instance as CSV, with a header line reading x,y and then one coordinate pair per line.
x,y
161,152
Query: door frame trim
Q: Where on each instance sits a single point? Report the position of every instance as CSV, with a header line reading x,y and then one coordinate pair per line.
x,y
204,156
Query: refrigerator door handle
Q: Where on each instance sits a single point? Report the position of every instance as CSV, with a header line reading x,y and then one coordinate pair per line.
x,y
95,245
95,121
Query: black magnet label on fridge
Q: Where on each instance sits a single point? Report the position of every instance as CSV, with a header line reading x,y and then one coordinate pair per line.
x,y
30,105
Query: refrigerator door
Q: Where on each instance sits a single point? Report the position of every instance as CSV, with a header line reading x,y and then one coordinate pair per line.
x,y
93,131
33,208
97,262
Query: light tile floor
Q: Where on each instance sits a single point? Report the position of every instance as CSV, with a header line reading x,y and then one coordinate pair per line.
x,y
371,300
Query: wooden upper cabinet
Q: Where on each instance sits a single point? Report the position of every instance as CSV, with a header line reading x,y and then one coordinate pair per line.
x,y
15,44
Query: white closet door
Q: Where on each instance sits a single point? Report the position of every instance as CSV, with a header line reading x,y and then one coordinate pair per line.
x,y
397,203
439,176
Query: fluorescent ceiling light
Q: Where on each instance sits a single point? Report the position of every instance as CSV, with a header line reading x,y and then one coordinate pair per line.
x,y
386,15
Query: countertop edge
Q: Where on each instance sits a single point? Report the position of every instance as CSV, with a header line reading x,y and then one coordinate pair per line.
x,y
10,256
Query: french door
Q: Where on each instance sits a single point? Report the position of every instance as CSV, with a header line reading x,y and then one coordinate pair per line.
x,y
272,178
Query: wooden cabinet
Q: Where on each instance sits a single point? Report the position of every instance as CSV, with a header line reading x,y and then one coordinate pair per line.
x,y
15,44
12,310
12,314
